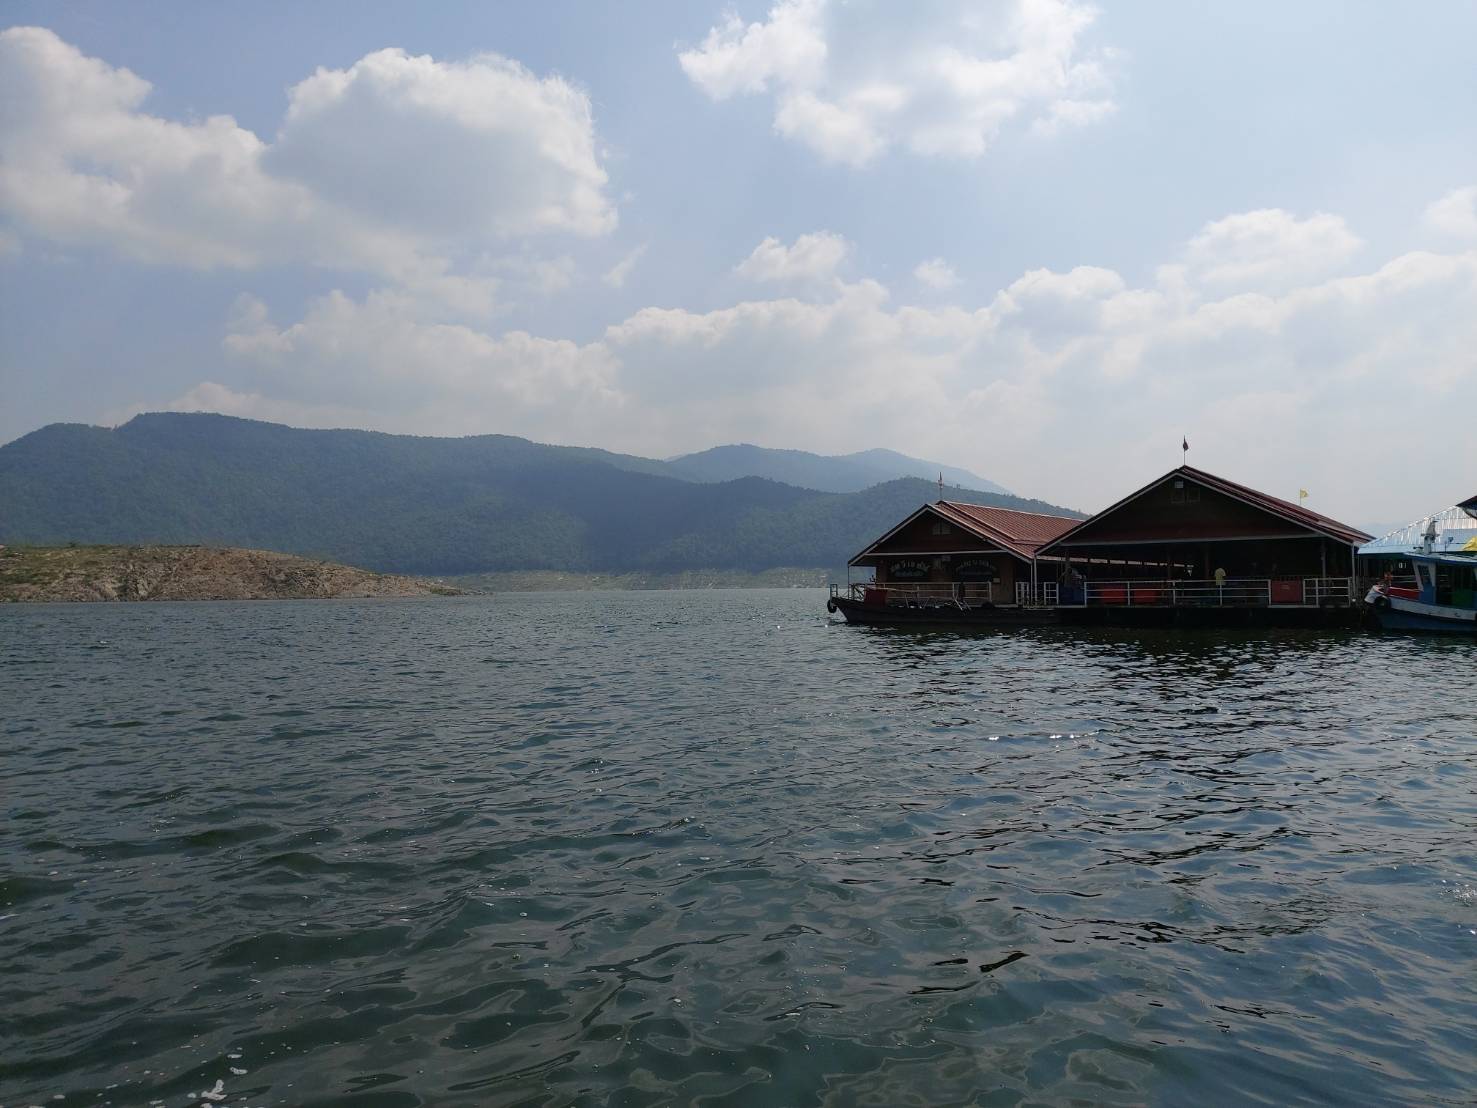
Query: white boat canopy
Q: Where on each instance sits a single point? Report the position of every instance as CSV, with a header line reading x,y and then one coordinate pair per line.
x,y
1453,531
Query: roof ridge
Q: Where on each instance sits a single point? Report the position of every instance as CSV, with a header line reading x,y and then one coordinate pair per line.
x,y
1001,508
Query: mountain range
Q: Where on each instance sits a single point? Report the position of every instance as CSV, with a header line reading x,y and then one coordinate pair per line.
x,y
407,504
827,473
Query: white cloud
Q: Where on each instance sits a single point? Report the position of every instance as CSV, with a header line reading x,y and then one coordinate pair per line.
x,y
533,274
936,274
850,80
80,164
399,166
379,355
789,49
446,149
617,274
1072,113
1053,308
813,257
1074,385
1269,248
1455,213
838,132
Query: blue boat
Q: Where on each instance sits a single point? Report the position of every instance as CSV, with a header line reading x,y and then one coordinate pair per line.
x,y
1430,578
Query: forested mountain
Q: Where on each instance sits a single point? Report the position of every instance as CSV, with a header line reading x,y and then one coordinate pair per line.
x,y
399,503
826,473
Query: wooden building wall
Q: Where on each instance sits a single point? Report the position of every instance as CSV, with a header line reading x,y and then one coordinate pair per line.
x,y
1192,513
1203,529
918,542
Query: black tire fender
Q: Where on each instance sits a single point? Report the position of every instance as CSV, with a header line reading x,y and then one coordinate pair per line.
x,y
831,605
1382,602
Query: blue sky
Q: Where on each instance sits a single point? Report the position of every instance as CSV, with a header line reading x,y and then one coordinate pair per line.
x,y
1040,240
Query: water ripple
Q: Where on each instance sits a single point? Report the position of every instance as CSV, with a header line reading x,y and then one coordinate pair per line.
x,y
712,848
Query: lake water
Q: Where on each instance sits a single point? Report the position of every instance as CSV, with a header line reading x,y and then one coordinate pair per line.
x,y
708,847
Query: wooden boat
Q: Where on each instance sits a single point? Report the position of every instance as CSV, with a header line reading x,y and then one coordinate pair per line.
x,y
1437,587
1442,599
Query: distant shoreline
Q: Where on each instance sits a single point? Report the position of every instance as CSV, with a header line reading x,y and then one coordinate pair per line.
x,y
159,572
101,574
697,579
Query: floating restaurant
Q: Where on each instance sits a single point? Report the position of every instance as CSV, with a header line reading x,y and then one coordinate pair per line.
x,y
1188,548
959,562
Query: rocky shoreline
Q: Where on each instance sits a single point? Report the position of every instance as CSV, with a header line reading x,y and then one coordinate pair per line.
x,y
134,573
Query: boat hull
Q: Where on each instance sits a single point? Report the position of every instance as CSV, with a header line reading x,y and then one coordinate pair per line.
x,y
1399,614
897,615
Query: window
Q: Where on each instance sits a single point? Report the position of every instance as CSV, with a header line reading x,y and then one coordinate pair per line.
x,y
942,528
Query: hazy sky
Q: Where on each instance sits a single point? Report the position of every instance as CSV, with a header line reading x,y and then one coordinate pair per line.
x,y
1040,240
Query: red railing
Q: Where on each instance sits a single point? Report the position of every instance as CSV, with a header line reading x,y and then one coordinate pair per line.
x,y
1233,592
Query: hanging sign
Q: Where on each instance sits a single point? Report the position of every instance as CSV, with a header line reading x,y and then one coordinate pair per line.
x,y
976,569
909,570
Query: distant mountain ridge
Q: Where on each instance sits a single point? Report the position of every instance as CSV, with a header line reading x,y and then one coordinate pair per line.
x,y
404,504
825,473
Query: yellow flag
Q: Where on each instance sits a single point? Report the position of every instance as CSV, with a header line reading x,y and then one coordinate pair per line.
x,y
1302,494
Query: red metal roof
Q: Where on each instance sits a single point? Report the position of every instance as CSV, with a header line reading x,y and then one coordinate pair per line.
x,y
1020,533
1283,509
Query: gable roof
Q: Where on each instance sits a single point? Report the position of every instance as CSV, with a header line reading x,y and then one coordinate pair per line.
x,y
1018,533
1282,509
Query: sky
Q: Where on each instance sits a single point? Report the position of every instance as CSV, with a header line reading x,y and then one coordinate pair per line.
x,y
1041,240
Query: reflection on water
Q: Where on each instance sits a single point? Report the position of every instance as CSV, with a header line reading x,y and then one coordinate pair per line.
x,y
670,848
